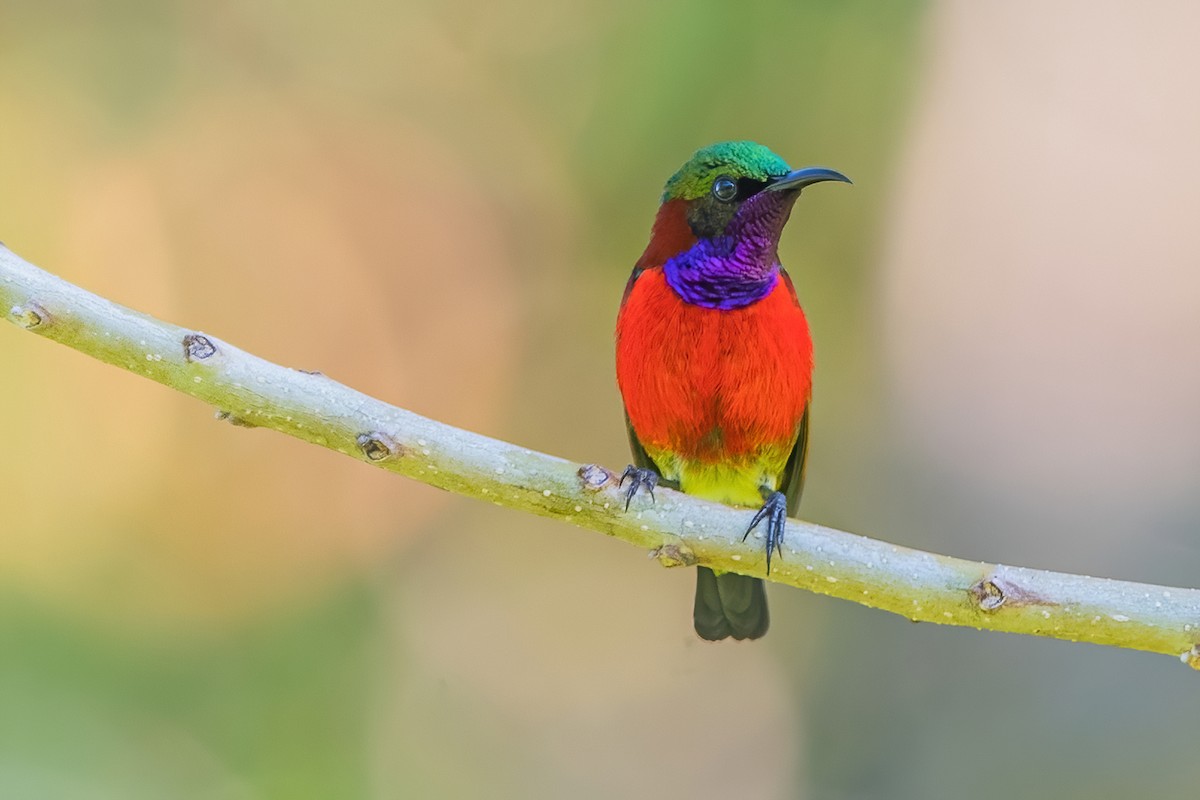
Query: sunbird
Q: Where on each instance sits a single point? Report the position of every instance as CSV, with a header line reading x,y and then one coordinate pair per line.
x,y
715,359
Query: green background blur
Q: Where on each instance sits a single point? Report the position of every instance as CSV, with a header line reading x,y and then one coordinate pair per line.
x,y
439,203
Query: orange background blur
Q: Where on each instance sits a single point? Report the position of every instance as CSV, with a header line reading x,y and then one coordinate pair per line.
x,y
439,204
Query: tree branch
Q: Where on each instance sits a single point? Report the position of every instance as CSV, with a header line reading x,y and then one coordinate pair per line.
x,y
680,530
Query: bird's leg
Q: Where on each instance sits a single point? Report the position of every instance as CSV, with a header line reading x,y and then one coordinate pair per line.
x,y
638,479
774,511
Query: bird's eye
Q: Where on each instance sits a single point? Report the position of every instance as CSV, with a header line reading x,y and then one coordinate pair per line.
x,y
724,188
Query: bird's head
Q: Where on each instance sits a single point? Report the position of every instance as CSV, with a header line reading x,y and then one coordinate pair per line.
x,y
728,190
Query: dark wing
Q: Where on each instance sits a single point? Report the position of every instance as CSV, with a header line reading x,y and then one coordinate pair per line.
x,y
791,483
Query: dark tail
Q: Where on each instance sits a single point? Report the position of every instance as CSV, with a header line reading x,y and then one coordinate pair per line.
x,y
729,605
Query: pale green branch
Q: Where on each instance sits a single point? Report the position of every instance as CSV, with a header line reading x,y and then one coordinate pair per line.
x,y
681,530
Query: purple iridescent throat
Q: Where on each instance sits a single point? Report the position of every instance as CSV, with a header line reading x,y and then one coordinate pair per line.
x,y
740,267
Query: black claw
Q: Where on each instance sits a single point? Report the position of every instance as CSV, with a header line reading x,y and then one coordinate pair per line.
x,y
774,511
642,479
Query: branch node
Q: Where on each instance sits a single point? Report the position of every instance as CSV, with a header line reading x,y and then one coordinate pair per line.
x,y
233,419
29,316
674,555
988,595
377,446
995,590
1191,657
198,347
595,477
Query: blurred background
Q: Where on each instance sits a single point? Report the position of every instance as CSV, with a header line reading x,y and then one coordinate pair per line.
x,y
439,204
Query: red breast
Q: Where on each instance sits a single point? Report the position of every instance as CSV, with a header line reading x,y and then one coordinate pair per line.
x,y
712,385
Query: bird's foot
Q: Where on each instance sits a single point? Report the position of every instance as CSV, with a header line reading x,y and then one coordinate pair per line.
x,y
774,511
638,479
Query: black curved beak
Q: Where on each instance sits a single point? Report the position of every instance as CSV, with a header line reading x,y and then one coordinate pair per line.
x,y
797,179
